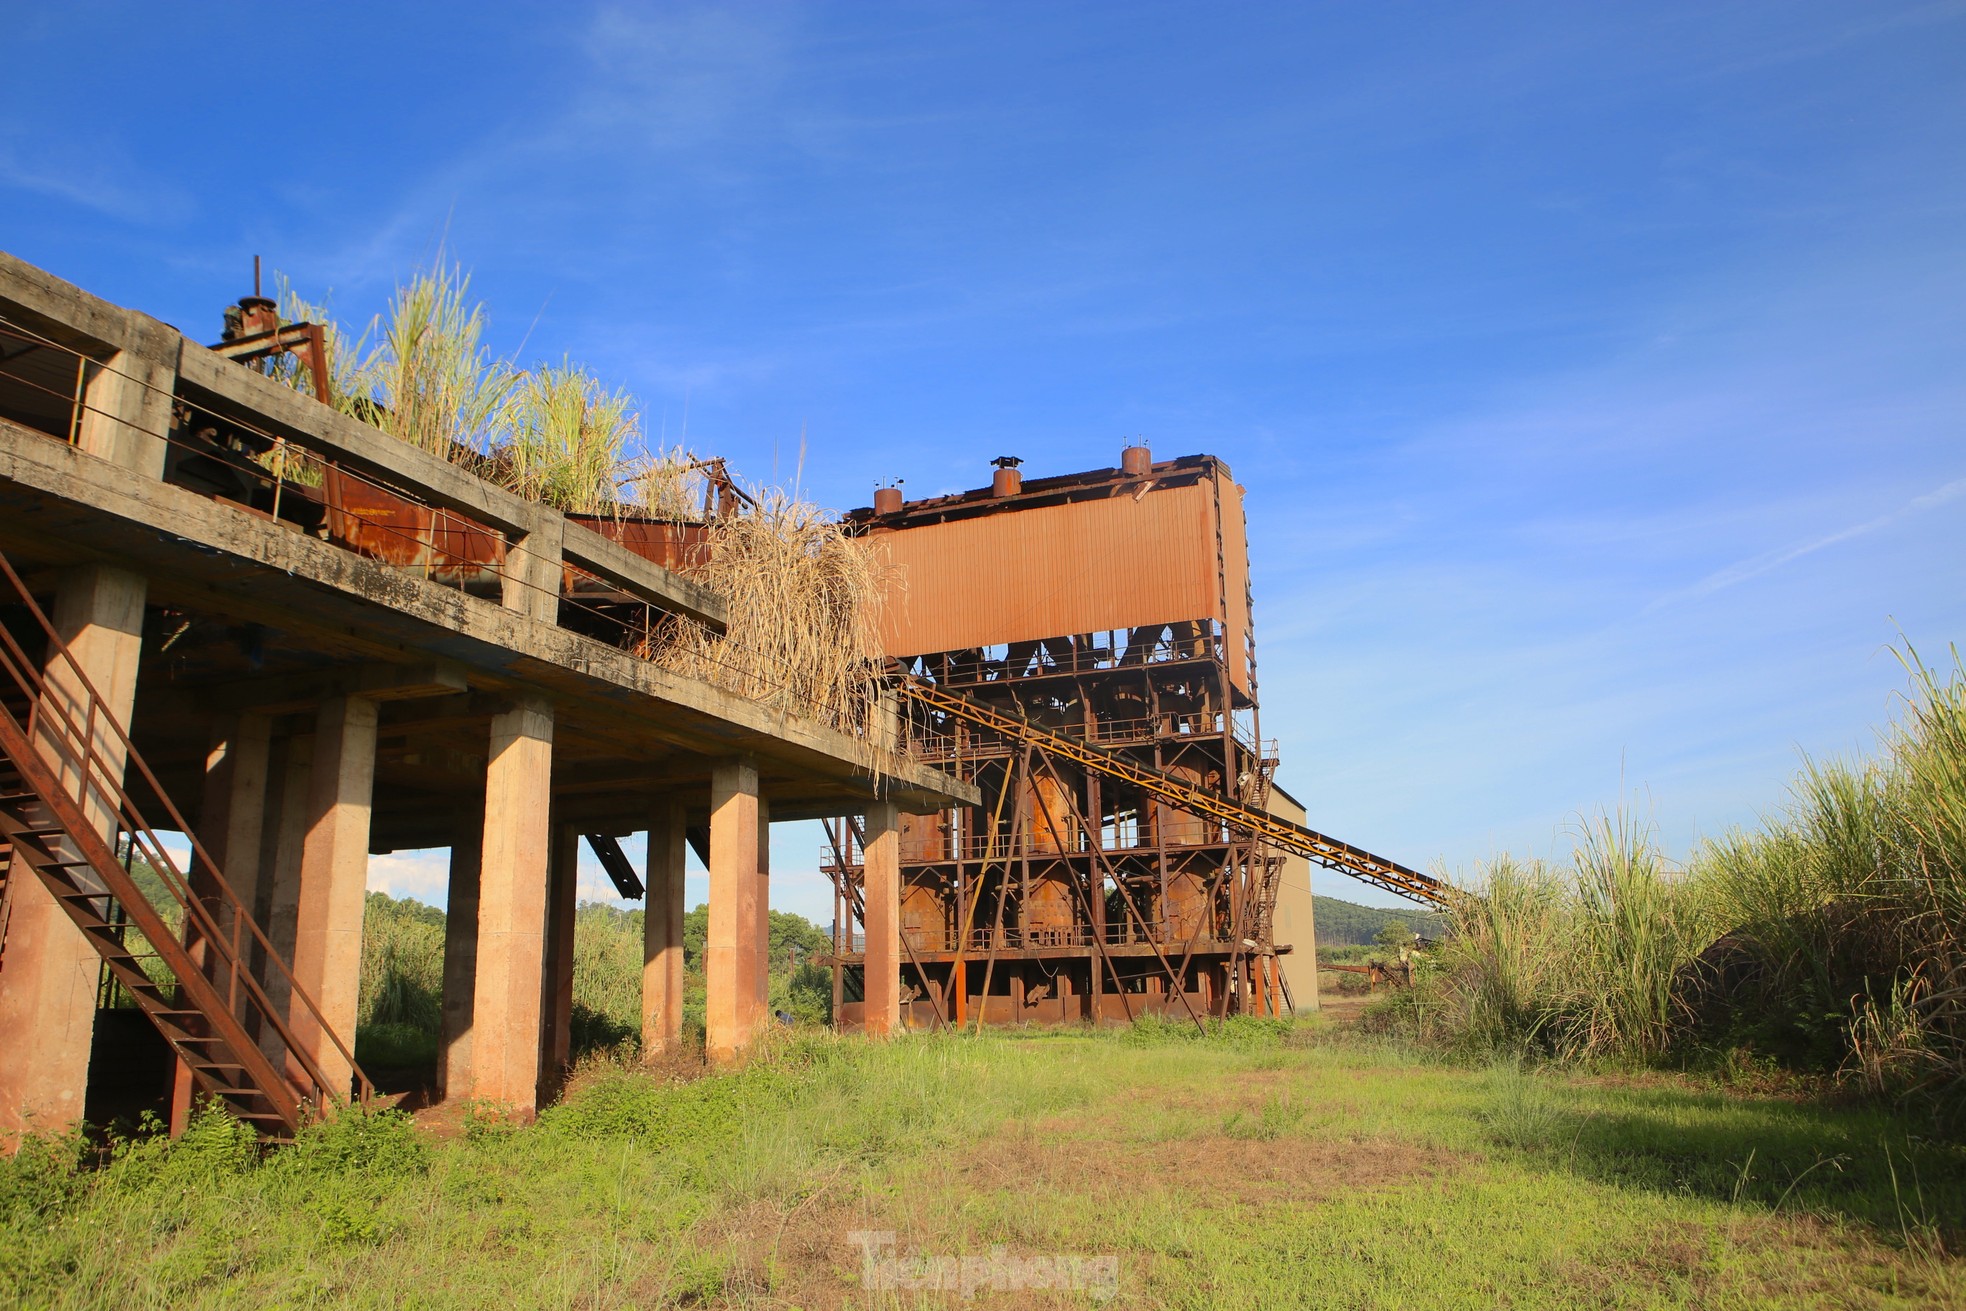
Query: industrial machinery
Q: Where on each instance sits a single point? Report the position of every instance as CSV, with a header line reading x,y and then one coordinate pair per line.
x,y
1081,649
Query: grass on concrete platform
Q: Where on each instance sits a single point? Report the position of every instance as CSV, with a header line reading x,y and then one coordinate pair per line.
x,y
1267,1166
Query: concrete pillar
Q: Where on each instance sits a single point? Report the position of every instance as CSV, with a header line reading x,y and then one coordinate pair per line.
x,y
556,983
48,986
764,909
127,407
334,872
460,955
505,1014
882,862
730,964
662,931
231,815
282,840
533,566
242,830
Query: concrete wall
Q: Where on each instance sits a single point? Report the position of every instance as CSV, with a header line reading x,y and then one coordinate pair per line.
x,y
1295,921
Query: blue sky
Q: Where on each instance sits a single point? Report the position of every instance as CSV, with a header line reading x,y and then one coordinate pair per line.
x,y
1595,370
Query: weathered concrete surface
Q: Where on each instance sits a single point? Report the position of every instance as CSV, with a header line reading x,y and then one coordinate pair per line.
x,y
334,864
556,988
284,838
505,1010
127,411
730,954
662,930
231,814
460,956
882,919
48,1006
761,943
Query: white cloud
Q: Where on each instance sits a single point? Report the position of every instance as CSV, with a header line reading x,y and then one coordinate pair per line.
x,y
1769,560
422,875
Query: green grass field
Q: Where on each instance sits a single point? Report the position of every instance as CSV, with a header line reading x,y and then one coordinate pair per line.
x,y
1267,1166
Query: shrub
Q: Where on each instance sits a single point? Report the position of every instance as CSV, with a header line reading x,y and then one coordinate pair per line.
x,y
356,1140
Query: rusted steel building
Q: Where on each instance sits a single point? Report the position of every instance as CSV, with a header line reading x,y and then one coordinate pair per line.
x,y
1111,608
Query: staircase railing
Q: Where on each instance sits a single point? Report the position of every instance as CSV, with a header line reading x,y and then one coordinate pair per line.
x,y
95,755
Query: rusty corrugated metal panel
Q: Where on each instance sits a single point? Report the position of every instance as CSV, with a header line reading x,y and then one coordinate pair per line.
x,y
1238,624
674,545
376,522
924,918
1086,567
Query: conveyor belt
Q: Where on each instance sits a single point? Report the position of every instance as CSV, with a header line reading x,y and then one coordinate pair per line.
x,y
1386,875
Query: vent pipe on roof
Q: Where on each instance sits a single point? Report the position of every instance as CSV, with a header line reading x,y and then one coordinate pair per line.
x,y
1136,461
1006,481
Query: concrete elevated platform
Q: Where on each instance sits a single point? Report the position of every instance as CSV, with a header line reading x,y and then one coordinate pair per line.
x,y
317,704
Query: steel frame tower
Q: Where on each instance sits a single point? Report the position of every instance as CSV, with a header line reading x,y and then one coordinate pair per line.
x,y
1069,894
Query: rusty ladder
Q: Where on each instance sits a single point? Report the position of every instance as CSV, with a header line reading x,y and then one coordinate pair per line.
x,y
214,1006
1377,871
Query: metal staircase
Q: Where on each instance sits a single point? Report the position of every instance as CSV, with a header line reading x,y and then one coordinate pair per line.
x,y
63,760
1387,875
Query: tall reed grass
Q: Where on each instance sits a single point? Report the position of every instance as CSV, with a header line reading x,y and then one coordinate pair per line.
x,y
564,440
1833,937
804,599
433,381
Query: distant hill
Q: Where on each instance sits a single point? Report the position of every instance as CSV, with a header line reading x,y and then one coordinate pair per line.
x,y
1348,924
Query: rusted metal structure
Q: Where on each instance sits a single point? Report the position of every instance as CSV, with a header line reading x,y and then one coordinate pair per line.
x,y
230,611
1080,649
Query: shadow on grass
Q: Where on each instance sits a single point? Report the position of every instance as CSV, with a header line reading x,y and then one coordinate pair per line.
x,y
1862,1165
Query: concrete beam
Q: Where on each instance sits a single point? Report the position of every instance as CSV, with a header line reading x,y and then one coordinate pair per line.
x,y
371,681
505,1015
334,868
730,955
662,930
882,865
241,556
71,317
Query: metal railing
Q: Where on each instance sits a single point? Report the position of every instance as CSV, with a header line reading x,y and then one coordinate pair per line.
x,y
95,754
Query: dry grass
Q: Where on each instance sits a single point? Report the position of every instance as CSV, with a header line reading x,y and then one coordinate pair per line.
x,y
804,603
665,484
